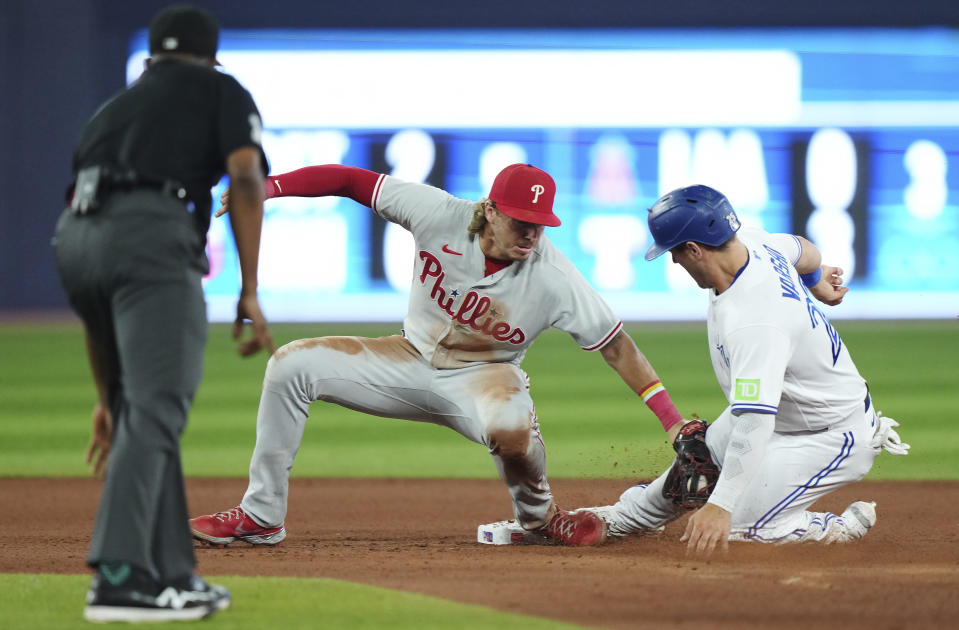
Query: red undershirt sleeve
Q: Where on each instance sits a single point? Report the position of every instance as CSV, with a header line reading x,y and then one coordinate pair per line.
x,y
323,181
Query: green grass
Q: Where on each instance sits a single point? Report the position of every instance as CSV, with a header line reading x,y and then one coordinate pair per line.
x,y
39,602
593,425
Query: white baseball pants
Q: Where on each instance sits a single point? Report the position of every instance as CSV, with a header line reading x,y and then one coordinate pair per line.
x,y
798,469
489,404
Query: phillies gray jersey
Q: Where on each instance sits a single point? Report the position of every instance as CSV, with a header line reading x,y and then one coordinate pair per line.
x,y
773,350
459,317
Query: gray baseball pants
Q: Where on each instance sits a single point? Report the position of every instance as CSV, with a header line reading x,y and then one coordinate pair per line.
x,y
133,273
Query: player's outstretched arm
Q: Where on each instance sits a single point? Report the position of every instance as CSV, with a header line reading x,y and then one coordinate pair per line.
x,y
636,371
269,191
709,527
317,181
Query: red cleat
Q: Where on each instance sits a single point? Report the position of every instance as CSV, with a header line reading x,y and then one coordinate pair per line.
x,y
578,529
223,528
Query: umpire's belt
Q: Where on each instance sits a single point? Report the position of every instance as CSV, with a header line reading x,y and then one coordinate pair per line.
x,y
94,184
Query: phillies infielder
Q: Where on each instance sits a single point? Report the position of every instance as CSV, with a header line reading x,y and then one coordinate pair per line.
x,y
486,284
800,421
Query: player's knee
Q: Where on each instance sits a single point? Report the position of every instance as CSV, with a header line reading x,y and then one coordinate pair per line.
x,y
510,432
307,363
510,443
287,362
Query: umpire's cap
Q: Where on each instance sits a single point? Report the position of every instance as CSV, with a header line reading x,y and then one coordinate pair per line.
x,y
183,28
695,213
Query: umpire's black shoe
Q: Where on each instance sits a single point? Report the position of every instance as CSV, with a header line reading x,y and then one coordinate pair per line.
x,y
120,592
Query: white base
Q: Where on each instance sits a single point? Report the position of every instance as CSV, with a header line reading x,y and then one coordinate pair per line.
x,y
508,533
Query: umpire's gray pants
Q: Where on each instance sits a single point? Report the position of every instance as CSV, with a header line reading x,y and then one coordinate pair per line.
x,y
133,273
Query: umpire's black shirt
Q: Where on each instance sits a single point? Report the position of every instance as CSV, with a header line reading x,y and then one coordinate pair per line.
x,y
178,121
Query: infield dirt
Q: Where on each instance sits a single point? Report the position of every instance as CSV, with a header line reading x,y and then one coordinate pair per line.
x,y
419,535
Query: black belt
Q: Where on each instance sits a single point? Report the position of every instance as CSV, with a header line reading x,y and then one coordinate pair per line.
x,y
867,401
168,188
95,184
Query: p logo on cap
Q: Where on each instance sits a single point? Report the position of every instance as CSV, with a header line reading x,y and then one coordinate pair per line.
x,y
525,193
538,189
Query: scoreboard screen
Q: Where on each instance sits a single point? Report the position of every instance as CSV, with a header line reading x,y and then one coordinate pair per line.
x,y
849,137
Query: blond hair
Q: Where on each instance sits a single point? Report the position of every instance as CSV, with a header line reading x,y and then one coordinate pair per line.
x,y
478,222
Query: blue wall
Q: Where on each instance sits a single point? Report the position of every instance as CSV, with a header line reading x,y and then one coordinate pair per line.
x,y
60,59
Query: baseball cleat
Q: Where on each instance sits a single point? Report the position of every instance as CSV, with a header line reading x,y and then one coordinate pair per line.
x,y
578,529
605,512
859,517
615,526
126,594
222,528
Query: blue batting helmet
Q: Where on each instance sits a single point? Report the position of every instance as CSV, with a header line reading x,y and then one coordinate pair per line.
x,y
695,213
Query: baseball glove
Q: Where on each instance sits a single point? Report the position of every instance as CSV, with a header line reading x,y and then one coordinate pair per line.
x,y
693,475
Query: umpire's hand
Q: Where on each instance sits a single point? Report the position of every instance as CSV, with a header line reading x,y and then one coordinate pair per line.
x,y
248,309
100,438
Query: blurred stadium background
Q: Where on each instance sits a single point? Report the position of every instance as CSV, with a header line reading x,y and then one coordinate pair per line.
x,y
838,120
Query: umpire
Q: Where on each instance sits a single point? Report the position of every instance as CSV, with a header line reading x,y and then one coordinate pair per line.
x,y
131,254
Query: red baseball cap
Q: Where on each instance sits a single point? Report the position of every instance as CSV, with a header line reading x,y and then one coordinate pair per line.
x,y
525,193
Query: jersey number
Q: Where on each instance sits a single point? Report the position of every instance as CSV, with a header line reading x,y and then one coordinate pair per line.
x,y
816,317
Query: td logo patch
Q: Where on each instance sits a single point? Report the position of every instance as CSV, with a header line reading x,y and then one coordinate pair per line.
x,y
747,389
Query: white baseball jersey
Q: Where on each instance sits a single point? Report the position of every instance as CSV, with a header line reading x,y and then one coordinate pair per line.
x,y
459,317
772,348
774,352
